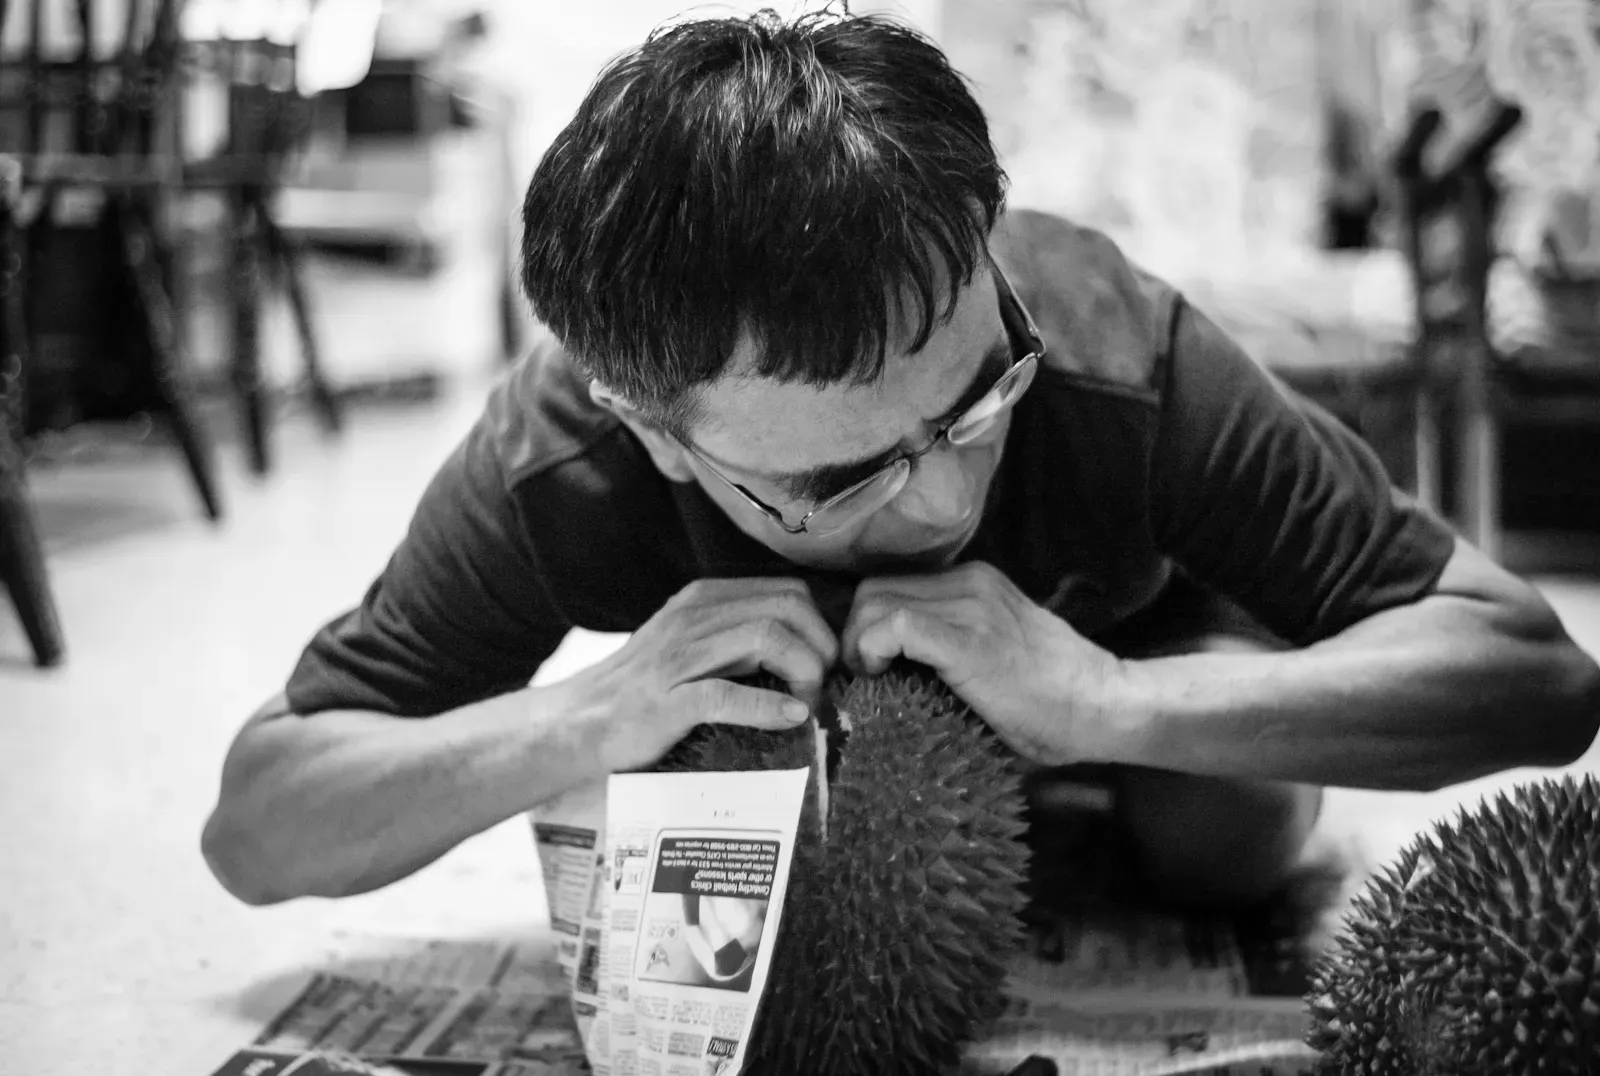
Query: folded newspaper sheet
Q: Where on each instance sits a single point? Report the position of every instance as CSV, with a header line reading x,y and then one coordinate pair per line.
x,y
667,932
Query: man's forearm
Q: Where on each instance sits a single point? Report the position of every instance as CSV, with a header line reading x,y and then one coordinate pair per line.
x,y
346,802
1415,698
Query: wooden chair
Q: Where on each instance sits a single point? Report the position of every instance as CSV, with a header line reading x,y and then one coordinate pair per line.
x,y
93,159
267,123
1447,212
1487,365
109,132
99,154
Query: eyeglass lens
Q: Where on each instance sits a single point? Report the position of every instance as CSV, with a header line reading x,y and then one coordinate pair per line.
x,y
980,418
883,487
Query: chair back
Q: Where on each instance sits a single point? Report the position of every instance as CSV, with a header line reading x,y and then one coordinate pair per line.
x,y
114,94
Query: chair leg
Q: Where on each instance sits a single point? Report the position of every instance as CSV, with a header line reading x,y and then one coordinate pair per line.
x,y
244,308
1480,480
22,565
160,327
1425,442
284,258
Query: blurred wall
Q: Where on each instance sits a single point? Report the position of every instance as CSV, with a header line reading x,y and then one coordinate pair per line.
x,y
1543,55
548,52
1191,129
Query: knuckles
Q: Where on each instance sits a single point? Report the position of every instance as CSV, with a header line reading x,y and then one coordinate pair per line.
x,y
785,594
904,621
767,637
980,574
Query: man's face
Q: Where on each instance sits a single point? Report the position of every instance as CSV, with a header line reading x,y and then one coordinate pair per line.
x,y
793,446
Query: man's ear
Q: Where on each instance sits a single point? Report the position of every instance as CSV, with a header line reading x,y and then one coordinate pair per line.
x,y
670,458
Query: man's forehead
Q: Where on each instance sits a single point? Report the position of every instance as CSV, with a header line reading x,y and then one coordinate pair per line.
x,y
774,427
905,315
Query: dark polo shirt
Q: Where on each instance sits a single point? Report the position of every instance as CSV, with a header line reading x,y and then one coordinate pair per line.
x,y
1150,448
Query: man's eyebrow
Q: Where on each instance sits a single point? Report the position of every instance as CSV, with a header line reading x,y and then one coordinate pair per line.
x,y
833,475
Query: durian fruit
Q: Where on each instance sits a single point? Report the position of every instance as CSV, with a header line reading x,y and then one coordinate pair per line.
x,y
906,892
1476,951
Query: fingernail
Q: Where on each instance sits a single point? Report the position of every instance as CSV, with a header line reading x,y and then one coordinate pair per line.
x,y
796,711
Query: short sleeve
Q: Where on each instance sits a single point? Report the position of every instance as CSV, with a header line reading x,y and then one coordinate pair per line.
x,y
458,614
1269,499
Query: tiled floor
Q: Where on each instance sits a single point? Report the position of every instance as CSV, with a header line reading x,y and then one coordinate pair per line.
x,y
118,952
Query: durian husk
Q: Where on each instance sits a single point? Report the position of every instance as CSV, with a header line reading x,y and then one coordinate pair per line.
x,y
1476,951
898,928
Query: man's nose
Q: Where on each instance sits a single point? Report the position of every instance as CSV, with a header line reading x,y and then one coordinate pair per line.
x,y
941,493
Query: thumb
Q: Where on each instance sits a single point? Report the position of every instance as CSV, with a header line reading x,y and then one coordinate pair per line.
x,y
721,702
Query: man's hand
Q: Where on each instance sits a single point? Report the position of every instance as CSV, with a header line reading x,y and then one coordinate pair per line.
x,y
1038,683
670,675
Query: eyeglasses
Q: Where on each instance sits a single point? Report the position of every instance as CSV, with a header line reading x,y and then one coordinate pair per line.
x,y
978,424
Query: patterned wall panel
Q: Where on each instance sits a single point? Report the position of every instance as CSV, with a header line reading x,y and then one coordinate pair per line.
x,y
1543,55
1191,128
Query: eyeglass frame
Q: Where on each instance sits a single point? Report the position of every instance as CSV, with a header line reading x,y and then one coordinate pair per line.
x,y
1008,298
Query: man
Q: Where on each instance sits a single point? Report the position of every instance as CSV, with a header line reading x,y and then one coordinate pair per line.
x,y
819,400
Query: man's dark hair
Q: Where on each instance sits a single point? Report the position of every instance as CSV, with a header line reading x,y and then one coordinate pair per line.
x,y
797,180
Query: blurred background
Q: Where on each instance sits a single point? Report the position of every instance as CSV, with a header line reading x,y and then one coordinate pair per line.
x,y
257,273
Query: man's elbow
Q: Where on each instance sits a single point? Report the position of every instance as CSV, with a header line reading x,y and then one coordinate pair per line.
x,y
235,841
236,863
1578,724
1568,675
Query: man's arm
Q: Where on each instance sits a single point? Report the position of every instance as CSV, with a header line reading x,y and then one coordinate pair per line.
x,y
348,801
1421,662
1477,677
408,724
381,752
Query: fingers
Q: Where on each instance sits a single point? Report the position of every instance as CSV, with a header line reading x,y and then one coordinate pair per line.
x,y
916,632
770,644
729,601
941,617
802,616
887,614
721,702
715,629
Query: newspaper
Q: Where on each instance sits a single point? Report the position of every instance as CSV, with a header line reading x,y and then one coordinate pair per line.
x,y
463,1008
665,892
666,932
1151,1036
1138,993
